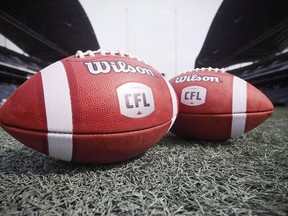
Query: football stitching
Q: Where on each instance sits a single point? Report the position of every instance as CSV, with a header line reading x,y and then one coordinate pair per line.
x,y
71,133
258,112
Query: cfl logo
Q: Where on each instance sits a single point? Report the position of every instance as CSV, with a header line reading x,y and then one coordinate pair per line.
x,y
193,95
135,100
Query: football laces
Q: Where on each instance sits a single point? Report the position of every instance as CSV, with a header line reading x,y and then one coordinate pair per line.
x,y
90,53
210,69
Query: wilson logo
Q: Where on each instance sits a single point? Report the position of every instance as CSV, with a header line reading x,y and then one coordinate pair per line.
x,y
196,77
135,100
104,67
193,95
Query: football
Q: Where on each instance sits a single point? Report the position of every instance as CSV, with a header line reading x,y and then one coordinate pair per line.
x,y
215,105
95,107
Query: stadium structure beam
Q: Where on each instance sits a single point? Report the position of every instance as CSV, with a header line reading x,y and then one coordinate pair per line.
x,y
32,33
282,25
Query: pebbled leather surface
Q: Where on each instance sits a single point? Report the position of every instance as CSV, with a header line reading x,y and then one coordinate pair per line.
x,y
101,134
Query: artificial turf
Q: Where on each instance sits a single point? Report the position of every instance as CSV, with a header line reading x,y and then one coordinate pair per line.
x,y
243,176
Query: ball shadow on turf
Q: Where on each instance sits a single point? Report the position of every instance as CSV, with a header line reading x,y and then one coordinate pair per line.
x,y
171,140
24,160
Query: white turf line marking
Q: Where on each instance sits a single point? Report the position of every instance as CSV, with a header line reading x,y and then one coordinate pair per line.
x,y
239,107
58,111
